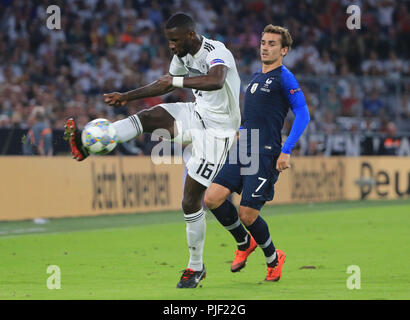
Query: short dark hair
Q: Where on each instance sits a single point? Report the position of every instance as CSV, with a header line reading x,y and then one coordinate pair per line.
x,y
180,20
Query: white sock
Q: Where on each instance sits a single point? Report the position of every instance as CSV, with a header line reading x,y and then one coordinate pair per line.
x,y
129,128
195,232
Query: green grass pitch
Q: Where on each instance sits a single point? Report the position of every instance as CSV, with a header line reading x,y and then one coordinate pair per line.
x,y
139,256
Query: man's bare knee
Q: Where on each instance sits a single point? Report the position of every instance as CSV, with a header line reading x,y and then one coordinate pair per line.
x,y
215,195
191,205
211,202
247,215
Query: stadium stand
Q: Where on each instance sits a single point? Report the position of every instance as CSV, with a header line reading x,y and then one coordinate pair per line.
x,y
356,81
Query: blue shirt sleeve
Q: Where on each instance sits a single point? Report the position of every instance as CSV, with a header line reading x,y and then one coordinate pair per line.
x,y
297,102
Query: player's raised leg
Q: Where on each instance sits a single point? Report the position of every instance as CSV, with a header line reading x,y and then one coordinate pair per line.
x,y
226,213
145,121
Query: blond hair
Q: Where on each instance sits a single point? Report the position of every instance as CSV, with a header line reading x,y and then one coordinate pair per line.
x,y
286,37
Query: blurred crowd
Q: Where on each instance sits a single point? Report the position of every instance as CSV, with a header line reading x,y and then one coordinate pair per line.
x,y
118,45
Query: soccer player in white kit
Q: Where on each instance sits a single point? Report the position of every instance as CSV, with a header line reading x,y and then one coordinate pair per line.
x,y
210,123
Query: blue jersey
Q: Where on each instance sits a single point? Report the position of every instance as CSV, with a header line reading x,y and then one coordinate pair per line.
x,y
267,101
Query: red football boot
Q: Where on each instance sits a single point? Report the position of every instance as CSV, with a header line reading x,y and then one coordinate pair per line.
x,y
239,261
73,136
275,273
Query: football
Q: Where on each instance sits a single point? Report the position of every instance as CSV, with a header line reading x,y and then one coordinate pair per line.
x,y
99,136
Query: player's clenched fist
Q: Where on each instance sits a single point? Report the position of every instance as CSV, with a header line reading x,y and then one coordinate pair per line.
x,y
165,81
115,99
283,162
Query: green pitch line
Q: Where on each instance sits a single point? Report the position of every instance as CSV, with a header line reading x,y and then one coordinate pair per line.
x,y
140,256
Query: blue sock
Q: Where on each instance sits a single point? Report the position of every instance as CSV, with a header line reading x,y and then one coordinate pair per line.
x,y
227,215
260,232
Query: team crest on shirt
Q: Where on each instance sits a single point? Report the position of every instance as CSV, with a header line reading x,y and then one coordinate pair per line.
x,y
254,87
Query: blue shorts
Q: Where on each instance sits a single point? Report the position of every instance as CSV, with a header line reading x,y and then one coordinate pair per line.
x,y
257,188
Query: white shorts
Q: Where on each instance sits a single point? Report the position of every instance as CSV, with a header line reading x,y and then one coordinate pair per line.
x,y
209,150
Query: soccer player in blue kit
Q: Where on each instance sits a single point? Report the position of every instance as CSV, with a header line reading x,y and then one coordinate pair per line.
x,y
272,91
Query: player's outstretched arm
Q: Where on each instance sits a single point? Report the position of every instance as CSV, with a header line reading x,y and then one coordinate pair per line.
x,y
214,80
157,88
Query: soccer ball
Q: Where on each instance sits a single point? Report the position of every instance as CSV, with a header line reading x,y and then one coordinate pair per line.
x,y
99,136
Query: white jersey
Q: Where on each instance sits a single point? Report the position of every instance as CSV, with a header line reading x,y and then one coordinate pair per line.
x,y
219,108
